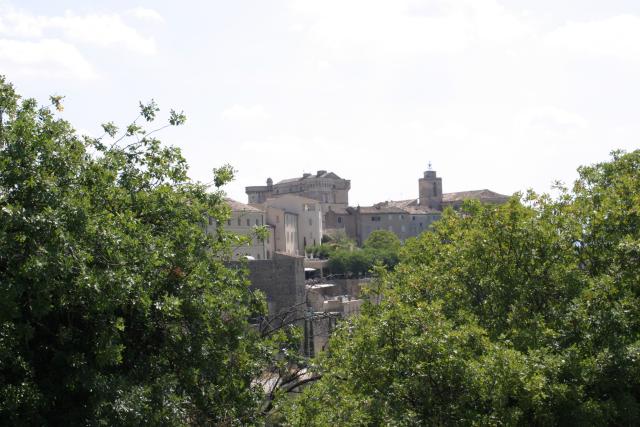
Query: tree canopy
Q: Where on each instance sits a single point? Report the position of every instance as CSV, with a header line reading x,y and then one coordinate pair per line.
x,y
526,313
115,306
382,240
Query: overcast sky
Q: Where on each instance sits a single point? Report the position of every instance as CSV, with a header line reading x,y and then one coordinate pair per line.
x,y
505,95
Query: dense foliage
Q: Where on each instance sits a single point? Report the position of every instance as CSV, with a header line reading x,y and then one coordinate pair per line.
x,y
115,306
526,313
382,247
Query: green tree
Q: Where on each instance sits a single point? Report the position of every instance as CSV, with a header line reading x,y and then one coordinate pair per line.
x,y
526,313
115,307
382,240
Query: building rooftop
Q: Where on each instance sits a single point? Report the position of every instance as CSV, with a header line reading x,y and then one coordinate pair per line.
x,y
481,195
302,199
319,174
409,206
381,209
241,207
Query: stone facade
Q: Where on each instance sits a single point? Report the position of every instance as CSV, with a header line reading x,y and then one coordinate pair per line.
x,y
325,187
285,226
243,220
404,222
281,279
406,218
430,191
308,222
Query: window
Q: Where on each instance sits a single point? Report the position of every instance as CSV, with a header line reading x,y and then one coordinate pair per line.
x,y
228,222
239,223
339,220
375,218
413,218
248,222
401,216
257,221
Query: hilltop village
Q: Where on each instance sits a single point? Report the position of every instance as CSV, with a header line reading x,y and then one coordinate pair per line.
x,y
298,212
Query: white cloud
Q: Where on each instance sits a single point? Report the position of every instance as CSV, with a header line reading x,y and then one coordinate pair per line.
x,y
617,36
38,45
382,29
551,120
245,113
146,14
44,58
103,30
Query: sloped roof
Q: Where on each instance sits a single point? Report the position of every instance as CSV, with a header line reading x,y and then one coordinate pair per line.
x,y
338,210
289,195
409,206
285,181
240,207
330,175
472,195
381,209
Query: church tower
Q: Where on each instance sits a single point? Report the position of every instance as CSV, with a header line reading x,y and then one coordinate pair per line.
x,y
430,190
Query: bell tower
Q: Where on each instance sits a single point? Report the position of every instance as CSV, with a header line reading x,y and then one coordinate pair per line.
x,y
430,190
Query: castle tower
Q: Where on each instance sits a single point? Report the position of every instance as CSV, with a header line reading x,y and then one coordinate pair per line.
x,y
430,190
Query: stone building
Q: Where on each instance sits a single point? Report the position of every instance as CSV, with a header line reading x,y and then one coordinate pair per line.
x,y
325,187
243,220
282,281
305,231
403,221
405,218
432,197
285,229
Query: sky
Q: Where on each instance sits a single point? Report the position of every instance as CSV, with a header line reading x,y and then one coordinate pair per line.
x,y
504,95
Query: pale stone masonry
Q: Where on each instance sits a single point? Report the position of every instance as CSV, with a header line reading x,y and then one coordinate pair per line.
x,y
325,187
405,218
243,221
308,222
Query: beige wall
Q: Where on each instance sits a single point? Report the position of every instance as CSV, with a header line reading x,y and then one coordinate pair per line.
x,y
244,223
403,225
285,229
309,218
430,191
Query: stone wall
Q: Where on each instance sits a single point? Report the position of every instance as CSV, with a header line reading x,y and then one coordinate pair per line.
x,y
281,279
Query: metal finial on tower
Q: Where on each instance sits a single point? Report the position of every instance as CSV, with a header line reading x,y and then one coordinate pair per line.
x,y
429,164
